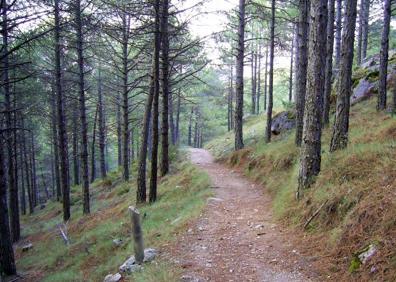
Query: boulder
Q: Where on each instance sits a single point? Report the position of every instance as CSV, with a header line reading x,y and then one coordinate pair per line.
x,y
130,264
362,91
113,278
283,121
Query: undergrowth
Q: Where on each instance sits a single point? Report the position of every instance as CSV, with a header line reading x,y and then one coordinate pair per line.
x,y
356,186
92,254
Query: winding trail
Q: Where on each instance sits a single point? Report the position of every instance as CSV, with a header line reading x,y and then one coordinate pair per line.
x,y
235,238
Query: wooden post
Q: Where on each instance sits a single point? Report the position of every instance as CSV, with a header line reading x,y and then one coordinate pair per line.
x,y
137,235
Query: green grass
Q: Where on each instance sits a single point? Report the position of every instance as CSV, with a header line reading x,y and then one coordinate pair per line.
x,y
92,254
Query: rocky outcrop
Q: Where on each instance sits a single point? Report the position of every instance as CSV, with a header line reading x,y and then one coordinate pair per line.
x,y
364,90
283,121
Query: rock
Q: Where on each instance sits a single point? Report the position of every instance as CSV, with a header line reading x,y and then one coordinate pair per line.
x,y
362,91
283,121
113,278
27,247
130,265
370,251
117,242
149,255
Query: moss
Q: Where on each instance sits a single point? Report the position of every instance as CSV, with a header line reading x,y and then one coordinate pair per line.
x,y
373,76
355,264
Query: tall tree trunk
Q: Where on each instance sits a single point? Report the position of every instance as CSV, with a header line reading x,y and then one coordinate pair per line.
x,y
119,137
156,81
253,67
292,66
171,119
339,138
23,177
125,99
55,145
7,261
381,105
338,35
12,188
93,144
83,114
301,75
239,78
34,171
360,34
190,127
271,74
266,78
62,133
165,89
178,117
75,146
365,28
102,129
258,81
329,62
311,146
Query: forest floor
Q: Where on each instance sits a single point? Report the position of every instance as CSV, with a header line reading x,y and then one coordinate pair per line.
x,y
236,237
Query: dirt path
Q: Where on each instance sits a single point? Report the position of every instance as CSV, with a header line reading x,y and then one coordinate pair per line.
x,y
235,239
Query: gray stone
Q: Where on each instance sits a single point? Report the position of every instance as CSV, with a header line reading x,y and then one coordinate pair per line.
x,y
283,121
117,242
130,264
113,278
27,247
363,91
149,255
367,254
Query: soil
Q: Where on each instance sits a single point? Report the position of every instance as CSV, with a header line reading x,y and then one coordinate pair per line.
x,y
236,237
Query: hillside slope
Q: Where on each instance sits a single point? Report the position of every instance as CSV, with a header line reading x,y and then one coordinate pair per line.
x,y
355,191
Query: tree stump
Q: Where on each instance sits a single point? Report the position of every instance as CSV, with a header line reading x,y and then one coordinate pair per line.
x,y
137,234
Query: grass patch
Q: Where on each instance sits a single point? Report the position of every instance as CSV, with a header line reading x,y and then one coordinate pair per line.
x,y
92,254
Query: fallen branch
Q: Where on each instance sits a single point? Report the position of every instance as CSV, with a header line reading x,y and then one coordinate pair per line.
x,y
315,214
63,233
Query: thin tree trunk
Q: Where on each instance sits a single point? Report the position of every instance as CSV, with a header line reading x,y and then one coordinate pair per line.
x,y
55,145
258,81
125,99
171,119
165,89
93,161
266,79
63,144
75,147
239,77
365,28
102,130
22,173
291,67
178,117
381,105
12,188
311,146
338,35
329,63
83,114
360,34
301,75
253,67
7,261
190,127
119,138
339,138
271,74
156,81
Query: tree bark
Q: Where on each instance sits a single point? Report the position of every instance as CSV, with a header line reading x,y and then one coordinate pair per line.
x,y
338,34
62,133
311,142
7,261
329,62
190,127
258,81
165,89
266,79
271,74
239,78
55,145
301,75
75,147
119,138
381,105
102,130
156,79
178,118
253,67
292,67
339,138
365,28
83,114
93,145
